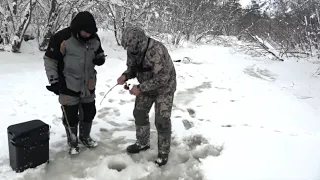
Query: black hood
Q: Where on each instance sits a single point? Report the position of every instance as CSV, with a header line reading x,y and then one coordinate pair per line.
x,y
83,21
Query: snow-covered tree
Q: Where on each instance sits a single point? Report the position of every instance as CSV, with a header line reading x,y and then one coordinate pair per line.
x,y
22,25
290,25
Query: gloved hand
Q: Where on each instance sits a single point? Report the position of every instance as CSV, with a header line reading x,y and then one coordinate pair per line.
x,y
55,87
99,60
122,79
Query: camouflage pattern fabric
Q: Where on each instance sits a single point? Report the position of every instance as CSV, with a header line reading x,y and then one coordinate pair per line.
x,y
143,135
163,108
149,61
161,79
134,39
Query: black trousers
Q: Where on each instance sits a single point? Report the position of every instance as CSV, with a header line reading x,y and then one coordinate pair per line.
x,y
71,113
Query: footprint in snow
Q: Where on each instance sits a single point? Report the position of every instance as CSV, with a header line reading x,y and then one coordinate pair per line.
x,y
187,124
226,125
114,124
248,125
191,112
122,91
195,140
57,120
222,88
123,102
108,112
201,148
104,112
104,130
256,72
111,100
116,112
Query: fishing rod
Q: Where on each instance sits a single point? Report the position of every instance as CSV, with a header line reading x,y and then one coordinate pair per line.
x,y
126,87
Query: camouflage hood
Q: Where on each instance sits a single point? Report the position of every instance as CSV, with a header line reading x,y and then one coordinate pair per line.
x,y
134,40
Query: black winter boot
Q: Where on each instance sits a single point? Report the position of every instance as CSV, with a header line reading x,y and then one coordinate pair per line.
x,y
84,135
143,138
162,159
72,143
137,147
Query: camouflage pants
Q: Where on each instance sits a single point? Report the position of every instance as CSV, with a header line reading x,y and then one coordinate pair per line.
x,y
163,108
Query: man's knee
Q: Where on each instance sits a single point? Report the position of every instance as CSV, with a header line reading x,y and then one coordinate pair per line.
x,y
141,117
163,113
163,124
67,100
88,99
70,114
89,111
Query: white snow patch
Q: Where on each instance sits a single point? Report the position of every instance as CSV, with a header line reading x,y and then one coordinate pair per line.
x,y
126,134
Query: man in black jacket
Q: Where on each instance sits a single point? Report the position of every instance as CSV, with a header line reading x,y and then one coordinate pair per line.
x,y
70,61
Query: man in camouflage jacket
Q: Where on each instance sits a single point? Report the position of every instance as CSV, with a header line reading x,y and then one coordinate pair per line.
x,y
70,61
149,61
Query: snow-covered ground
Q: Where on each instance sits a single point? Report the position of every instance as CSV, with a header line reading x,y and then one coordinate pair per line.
x,y
234,117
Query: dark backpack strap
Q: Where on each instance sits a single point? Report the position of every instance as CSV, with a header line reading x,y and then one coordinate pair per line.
x,y
141,69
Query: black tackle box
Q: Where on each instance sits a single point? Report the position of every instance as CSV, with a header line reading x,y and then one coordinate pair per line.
x,y
28,144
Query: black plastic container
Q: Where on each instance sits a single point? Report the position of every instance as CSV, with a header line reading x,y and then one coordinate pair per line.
x,y
28,144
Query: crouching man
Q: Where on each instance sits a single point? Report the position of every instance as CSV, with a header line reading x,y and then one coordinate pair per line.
x,y
149,61
70,61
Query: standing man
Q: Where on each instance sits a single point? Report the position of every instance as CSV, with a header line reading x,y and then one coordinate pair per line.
x,y
70,61
149,61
